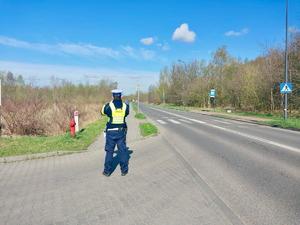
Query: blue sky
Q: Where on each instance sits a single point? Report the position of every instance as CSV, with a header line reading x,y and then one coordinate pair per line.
x,y
130,41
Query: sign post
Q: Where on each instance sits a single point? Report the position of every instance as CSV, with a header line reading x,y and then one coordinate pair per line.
x,y
286,88
212,96
76,118
286,60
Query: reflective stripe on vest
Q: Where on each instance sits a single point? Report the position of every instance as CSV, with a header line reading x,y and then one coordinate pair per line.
x,y
118,115
102,110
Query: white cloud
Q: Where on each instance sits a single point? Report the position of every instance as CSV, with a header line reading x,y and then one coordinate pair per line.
x,y
61,48
87,50
147,54
183,33
233,33
147,41
139,53
82,49
294,30
164,46
129,51
13,42
42,73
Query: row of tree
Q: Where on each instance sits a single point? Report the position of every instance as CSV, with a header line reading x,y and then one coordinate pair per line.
x,y
250,85
34,110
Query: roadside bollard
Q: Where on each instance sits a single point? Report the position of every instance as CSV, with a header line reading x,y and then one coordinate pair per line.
x,y
76,118
72,127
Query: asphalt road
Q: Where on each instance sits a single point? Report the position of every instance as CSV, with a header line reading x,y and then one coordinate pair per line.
x,y
251,171
198,170
160,189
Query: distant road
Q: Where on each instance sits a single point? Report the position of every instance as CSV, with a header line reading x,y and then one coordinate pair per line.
x,y
252,171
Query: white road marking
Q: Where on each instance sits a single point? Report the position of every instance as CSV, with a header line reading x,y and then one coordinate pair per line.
x,y
161,121
185,121
236,132
174,121
220,121
258,139
196,121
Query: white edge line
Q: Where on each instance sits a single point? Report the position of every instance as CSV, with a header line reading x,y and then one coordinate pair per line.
x,y
161,122
185,121
174,121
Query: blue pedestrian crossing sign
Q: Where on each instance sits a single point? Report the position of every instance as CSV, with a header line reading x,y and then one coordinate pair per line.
x,y
212,93
286,88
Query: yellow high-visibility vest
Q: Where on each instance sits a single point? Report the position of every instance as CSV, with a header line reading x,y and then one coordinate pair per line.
x,y
118,115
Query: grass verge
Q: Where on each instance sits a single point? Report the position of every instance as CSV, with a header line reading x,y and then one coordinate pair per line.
x,y
140,116
147,129
291,123
34,144
134,106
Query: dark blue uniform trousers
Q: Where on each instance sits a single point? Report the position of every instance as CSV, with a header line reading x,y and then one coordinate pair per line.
x,y
114,138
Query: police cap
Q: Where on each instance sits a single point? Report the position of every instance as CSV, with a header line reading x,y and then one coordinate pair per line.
x,y
116,92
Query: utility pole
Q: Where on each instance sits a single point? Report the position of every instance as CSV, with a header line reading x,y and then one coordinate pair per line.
x,y
185,74
286,61
138,98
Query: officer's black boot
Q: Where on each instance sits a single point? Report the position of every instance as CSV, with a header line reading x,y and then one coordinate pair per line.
x,y
106,174
124,173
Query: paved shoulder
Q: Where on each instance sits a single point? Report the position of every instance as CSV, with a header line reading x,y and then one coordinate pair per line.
x,y
159,189
133,128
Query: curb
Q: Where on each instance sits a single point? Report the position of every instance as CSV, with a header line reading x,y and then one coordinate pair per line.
x,y
11,159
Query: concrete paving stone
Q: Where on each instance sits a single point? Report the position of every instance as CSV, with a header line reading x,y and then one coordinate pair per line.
x,y
71,190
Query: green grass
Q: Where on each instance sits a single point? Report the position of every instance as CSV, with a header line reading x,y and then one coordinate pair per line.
x,y
292,123
134,106
140,116
147,129
35,144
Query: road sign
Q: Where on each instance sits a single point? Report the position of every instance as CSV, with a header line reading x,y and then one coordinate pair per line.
x,y
212,93
286,88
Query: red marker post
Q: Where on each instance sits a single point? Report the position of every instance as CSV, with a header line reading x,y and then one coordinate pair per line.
x,y
72,127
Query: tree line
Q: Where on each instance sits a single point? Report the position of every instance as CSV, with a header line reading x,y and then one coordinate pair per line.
x,y
33,110
248,85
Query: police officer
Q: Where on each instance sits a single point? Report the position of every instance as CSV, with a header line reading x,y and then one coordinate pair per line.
x,y
116,129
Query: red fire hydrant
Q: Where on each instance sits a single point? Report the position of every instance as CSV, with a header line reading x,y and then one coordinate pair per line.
x,y
72,127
